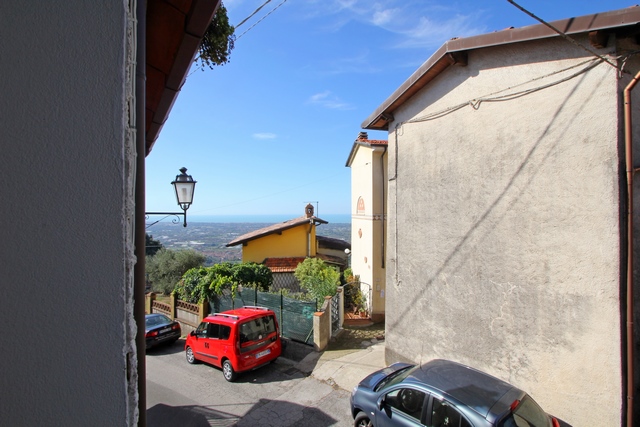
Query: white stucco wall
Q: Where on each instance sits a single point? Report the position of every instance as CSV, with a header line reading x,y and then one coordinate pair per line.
x,y
504,234
64,255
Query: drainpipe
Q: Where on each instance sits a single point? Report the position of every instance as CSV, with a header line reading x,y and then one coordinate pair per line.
x,y
628,139
139,280
384,205
309,238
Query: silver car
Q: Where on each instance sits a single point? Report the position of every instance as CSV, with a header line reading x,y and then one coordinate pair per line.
x,y
442,393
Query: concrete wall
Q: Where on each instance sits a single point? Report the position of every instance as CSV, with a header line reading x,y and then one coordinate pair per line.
x,y
368,185
66,254
504,233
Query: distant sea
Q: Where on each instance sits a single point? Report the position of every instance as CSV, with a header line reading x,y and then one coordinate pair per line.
x,y
271,219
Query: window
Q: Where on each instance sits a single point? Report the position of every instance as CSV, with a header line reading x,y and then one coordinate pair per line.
x,y
201,331
257,329
408,401
445,415
218,331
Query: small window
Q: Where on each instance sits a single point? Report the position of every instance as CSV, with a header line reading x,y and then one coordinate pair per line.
x,y
214,330
225,332
445,415
201,331
407,400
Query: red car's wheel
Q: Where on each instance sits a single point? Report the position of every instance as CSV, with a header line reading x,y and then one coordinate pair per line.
x,y
227,371
191,358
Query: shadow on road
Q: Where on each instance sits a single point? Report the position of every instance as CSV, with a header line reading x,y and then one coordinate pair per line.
x,y
162,415
264,413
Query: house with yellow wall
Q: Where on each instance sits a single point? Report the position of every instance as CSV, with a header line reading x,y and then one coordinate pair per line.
x,y
282,246
368,163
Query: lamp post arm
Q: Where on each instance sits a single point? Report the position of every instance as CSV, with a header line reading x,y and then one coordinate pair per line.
x,y
166,215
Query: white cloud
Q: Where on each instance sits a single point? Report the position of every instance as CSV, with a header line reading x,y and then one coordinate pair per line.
x,y
327,100
415,24
265,135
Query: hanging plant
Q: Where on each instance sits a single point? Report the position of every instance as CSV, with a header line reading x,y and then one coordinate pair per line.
x,y
218,41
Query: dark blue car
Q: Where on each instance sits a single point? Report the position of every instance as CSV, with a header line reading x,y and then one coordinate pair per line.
x,y
159,329
442,393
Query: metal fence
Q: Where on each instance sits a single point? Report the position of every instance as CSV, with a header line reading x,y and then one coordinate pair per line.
x,y
294,317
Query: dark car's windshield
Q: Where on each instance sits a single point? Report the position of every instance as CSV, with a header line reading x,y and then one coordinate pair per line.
x,y
395,377
527,414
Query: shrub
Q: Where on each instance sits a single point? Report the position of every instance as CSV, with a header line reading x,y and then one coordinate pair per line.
x,y
317,278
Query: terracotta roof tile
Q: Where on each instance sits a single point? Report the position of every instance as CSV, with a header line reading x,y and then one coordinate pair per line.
x,y
283,265
275,228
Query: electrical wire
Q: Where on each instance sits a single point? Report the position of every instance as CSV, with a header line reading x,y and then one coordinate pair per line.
x,y
254,12
261,19
476,102
564,36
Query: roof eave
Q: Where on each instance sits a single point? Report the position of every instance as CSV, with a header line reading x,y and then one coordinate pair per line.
x,y
453,52
162,31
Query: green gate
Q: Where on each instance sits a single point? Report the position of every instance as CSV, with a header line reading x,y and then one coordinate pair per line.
x,y
294,317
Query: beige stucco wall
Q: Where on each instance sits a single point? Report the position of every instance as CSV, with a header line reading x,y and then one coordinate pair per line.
x,y
368,183
298,241
504,235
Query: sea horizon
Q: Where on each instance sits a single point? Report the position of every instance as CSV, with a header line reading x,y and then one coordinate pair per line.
x,y
271,219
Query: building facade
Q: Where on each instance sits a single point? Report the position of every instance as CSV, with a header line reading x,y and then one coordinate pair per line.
x,y
368,163
507,217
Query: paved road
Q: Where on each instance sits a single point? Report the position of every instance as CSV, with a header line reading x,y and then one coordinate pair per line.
x,y
275,395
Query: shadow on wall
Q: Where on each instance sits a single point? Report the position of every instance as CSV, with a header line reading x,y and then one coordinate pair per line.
x,y
162,415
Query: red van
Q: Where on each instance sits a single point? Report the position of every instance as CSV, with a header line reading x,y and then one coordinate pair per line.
x,y
236,340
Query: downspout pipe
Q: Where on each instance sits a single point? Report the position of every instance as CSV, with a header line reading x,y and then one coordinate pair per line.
x,y
628,145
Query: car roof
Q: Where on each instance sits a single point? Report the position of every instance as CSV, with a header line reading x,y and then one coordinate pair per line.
x,y
485,394
238,314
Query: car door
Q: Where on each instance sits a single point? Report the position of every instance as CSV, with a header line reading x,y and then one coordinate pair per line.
x,y
403,406
444,414
218,342
198,342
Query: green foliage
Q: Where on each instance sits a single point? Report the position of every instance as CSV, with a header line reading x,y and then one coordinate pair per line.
x,y
204,283
166,268
317,278
218,41
152,246
354,300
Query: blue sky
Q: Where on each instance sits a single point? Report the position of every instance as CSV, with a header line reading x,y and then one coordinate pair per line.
x,y
271,130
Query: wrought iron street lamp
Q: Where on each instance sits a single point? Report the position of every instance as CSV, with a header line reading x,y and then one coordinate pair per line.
x,y
184,186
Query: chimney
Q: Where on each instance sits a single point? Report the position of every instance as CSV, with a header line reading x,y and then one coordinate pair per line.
x,y
363,136
308,210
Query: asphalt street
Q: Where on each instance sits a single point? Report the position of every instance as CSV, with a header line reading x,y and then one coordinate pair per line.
x,y
279,394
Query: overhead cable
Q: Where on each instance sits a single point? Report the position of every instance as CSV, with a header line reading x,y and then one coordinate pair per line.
x,y
261,19
254,12
495,97
563,35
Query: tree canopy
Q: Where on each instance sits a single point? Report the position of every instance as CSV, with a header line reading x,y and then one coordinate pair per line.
x,y
165,269
152,246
